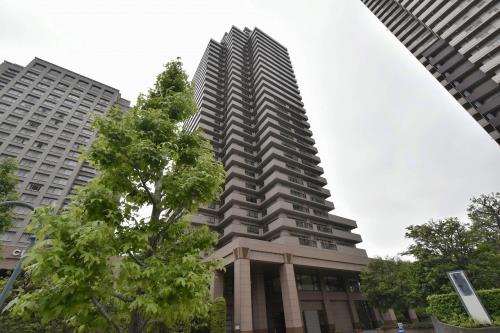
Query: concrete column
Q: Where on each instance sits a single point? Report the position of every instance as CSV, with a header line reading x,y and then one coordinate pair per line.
x,y
291,305
390,317
413,315
354,313
242,296
329,314
259,303
217,285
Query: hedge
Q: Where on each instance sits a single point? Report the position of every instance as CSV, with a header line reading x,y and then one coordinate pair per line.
x,y
449,309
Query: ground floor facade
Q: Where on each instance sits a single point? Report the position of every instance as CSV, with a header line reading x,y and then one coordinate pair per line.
x,y
278,288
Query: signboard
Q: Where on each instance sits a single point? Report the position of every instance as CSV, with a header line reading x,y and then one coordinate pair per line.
x,y
468,297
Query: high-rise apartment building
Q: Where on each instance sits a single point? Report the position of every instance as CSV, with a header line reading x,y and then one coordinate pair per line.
x,y
44,121
291,265
459,43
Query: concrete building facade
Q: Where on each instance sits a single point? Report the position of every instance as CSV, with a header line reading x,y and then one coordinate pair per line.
x,y
291,265
44,123
459,43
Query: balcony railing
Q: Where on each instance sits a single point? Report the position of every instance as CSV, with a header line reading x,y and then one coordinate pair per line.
x,y
307,242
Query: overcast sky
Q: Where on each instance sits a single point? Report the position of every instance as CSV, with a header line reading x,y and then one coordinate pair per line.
x,y
397,149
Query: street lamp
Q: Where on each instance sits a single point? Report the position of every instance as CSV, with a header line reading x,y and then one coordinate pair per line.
x,y
17,270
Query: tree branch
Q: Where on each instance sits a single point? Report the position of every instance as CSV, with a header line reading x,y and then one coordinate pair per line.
x,y
139,262
123,297
143,182
106,316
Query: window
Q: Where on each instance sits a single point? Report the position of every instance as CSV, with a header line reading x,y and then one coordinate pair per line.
x,y
70,162
6,126
26,131
28,197
44,136
13,149
250,185
307,281
334,283
300,208
26,162
40,176
298,193
20,139
52,158
252,213
48,201
14,119
56,149
45,166
34,187
22,173
303,224
55,190
64,171
33,153
39,145
33,124
295,180
251,199
60,181
20,112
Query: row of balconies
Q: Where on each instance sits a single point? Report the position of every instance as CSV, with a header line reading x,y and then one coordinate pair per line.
x,y
239,228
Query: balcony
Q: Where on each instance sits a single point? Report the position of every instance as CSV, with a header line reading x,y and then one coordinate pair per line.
x,y
305,224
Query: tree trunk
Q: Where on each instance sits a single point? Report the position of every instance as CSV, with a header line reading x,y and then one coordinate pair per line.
x,y
136,320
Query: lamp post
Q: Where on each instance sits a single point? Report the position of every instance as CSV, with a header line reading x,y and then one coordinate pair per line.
x,y
17,270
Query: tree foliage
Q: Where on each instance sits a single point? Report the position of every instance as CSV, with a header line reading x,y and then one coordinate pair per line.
x,y
218,315
8,183
388,283
439,246
98,263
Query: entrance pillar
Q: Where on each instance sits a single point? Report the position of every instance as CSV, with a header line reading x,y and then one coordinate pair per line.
x,y
259,303
413,315
291,305
354,313
242,292
390,317
217,285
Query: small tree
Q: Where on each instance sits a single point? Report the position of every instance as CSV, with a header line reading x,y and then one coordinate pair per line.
x,y
98,263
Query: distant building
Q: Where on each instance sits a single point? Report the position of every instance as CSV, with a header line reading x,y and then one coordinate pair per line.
x,y
291,265
459,43
44,121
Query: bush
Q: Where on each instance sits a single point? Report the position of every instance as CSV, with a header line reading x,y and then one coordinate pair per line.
x,y
449,309
218,316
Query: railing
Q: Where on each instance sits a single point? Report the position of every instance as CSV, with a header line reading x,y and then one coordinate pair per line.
x,y
307,242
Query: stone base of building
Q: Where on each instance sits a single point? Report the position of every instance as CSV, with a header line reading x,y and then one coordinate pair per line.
x,y
276,288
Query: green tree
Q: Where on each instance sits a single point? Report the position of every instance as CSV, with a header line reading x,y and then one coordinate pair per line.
x,y
439,246
8,183
389,283
98,264
484,213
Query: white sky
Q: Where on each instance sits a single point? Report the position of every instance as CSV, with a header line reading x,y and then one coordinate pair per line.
x,y
397,149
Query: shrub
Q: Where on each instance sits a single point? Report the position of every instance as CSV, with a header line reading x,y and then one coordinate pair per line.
x,y
449,309
218,316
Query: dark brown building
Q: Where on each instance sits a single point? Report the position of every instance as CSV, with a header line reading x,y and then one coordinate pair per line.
x,y
291,264
459,43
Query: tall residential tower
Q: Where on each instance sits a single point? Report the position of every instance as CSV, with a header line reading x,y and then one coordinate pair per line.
x,y
44,121
291,264
459,43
